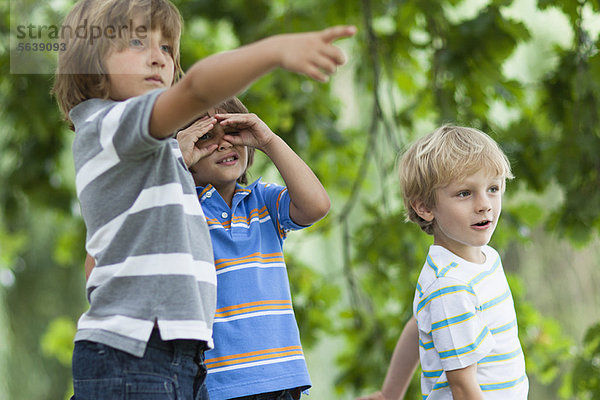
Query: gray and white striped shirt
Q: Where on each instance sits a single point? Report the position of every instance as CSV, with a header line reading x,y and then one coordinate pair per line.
x,y
145,229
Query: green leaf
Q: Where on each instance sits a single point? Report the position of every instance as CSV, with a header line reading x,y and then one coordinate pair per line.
x,y
57,341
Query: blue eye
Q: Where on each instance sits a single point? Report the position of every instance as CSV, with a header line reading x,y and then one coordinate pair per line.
x,y
166,48
135,43
464,193
494,189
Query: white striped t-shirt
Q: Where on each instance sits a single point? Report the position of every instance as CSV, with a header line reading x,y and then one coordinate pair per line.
x,y
465,315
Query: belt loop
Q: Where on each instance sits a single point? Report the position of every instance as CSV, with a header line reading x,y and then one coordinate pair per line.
x,y
176,349
201,350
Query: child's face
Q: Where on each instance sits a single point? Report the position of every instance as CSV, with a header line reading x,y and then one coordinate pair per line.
x,y
225,165
466,214
145,64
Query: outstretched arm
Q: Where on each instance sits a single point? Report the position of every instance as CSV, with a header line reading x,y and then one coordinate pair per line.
x,y
218,77
309,200
402,366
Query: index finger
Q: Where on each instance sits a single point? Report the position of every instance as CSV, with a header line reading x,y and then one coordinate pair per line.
x,y
202,122
228,119
338,32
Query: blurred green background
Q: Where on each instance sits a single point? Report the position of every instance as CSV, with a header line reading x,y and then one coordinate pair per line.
x,y
525,71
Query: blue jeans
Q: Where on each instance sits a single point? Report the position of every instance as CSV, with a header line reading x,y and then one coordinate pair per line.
x,y
169,370
290,394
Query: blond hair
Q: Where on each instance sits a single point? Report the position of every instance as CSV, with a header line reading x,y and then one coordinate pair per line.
x,y
448,154
80,74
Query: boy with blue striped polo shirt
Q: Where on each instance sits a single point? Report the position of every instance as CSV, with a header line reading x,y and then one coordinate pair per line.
x,y
257,354
453,181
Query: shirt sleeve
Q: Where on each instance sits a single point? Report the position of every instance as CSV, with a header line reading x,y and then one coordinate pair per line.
x,y
132,137
450,313
123,126
278,204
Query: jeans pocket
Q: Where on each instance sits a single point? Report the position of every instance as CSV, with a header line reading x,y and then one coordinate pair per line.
x,y
149,387
98,389
94,361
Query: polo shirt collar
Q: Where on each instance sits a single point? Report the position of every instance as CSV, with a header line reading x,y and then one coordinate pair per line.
x,y
240,191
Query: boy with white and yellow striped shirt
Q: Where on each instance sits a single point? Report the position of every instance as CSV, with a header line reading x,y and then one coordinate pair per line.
x,y
453,180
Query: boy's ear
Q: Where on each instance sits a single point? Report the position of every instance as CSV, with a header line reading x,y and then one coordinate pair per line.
x,y
422,210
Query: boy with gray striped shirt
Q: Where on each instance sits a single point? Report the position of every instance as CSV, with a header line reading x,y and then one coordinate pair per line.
x,y
152,290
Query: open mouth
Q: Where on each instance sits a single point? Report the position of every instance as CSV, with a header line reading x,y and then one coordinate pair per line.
x,y
482,224
229,159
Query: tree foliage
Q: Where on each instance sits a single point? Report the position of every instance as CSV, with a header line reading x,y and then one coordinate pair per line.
x,y
414,64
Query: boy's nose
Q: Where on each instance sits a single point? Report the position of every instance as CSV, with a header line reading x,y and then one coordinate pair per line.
x,y
484,204
157,56
220,139
224,145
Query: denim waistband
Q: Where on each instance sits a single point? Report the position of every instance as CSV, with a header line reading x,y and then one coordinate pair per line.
x,y
185,346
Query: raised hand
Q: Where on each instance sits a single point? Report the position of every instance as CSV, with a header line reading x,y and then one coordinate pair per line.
x,y
313,53
249,130
187,139
218,77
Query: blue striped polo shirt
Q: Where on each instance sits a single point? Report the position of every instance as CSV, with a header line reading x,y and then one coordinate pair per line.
x,y
465,315
257,343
